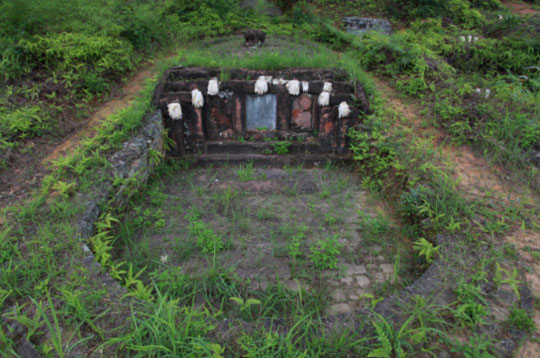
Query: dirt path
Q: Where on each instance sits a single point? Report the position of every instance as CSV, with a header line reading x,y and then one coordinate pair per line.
x,y
520,8
476,177
122,99
17,184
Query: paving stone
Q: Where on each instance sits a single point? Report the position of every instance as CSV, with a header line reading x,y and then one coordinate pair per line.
x,y
357,294
339,308
348,280
387,268
355,270
363,281
295,286
379,277
338,296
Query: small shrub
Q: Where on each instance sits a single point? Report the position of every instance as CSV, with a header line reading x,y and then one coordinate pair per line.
x,y
294,247
471,305
281,148
477,347
520,319
426,248
79,52
206,239
324,254
171,281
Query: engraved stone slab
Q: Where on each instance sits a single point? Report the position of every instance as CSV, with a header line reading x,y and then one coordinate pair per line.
x,y
361,25
261,112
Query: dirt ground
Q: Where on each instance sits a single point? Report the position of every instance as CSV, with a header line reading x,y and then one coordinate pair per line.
x,y
520,8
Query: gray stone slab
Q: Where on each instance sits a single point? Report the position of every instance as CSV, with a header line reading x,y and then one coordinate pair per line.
x,y
261,112
361,25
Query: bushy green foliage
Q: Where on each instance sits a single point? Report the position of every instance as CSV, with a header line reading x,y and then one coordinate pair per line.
x,y
206,239
324,253
69,52
471,307
371,150
520,319
20,123
28,121
458,11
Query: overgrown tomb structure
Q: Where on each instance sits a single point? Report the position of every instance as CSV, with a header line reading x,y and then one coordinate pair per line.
x,y
217,112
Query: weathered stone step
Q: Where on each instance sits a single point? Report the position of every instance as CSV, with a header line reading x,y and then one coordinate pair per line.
x,y
262,160
235,147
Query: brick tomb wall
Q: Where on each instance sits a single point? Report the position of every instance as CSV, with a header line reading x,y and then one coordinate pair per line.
x,y
240,109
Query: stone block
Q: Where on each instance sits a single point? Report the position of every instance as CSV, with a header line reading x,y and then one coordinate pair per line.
x,y
361,25
339,308
254,38
301,117
261,112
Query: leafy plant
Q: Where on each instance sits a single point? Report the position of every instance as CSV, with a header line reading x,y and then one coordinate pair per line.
x,y
511,279
395,343
477,347
245,305
324,253
471,305
281,148
207,241
62,349
426,248
294,247
520,319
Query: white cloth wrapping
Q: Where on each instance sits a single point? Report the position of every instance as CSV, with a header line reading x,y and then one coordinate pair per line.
x,y
305,86
344,110
175,110
324,99
327,87
261,86
197,98
293,87
213,87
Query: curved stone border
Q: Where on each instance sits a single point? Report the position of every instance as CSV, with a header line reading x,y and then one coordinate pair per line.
x,y
131,162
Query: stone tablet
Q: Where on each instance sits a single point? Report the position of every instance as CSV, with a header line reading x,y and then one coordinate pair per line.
x,y
361,25
261,112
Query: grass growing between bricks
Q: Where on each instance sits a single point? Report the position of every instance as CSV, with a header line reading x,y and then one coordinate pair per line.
x,y
298,228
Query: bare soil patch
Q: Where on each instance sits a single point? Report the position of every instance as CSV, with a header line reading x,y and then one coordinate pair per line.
x,y
520,8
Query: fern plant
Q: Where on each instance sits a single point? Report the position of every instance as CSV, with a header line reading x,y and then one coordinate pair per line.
x,y
426,248
394,343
